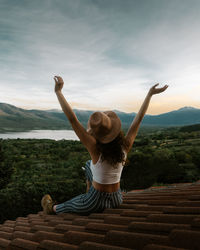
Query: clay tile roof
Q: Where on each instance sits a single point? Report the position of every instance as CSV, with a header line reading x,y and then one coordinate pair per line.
x,y
161,218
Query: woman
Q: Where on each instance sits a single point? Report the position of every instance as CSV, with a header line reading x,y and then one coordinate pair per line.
x,y
108,148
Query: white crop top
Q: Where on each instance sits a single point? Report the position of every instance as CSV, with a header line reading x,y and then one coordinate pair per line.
x,y
104,173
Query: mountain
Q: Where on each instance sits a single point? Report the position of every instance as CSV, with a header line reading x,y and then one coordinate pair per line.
x,y
180,117
186,108
54,110
17,119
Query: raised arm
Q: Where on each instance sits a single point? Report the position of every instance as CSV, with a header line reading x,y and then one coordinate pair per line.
x,y
87,140
132,132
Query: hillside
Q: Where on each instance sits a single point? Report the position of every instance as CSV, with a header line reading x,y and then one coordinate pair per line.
x,y
16,119
180,117
190,128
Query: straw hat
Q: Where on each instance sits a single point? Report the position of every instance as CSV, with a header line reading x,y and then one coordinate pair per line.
x,y
104,126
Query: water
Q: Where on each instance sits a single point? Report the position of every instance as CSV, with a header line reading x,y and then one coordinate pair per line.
x,y
42,134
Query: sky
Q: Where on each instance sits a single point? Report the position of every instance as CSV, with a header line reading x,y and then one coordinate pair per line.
x,y
109,53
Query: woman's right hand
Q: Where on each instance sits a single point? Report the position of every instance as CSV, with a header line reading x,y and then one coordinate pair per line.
x,y
58,83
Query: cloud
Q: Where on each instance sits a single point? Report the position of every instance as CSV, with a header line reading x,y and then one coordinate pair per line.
x,y
109,53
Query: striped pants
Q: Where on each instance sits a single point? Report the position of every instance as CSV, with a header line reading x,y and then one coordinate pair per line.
x,y
93,201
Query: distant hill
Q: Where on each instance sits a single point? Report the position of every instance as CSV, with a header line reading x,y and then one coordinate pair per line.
x,y
180,117
16,119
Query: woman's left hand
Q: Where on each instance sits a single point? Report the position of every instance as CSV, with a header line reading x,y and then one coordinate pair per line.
x,y
153,90
58,83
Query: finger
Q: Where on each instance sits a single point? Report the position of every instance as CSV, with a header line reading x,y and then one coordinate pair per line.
x,y
165,87
55,79
59,77
156,85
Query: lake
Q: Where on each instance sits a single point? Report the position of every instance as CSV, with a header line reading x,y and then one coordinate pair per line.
x,y
42,134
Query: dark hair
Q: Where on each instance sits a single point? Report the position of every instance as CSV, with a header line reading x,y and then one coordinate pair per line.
x,y
113,152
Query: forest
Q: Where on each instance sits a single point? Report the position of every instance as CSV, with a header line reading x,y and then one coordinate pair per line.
x,y
30,168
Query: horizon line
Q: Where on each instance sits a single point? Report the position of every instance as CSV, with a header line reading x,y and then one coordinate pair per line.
x,y
81,109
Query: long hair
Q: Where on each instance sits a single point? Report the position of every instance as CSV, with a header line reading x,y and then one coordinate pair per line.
x,y
113,152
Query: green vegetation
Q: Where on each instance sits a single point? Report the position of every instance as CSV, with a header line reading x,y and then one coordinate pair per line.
x,y
31,168
38,167
191,128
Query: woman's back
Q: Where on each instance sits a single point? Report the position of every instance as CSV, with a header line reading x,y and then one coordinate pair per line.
x,y
105,173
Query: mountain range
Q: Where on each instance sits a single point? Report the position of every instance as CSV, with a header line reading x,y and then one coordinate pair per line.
x,y
17,119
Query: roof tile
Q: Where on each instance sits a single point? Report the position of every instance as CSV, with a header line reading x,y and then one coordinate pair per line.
x,y
134,240
138,213
171,218
161,202
185,239
160,247
22,228
9,223
7,229
113,211
61,228
196,223
22,219
23,235
41,228
38,222
128,206
103,228
75,237
5,235
68,216
149,208
58,222
182,210
188,203
85,221
22,224
119,220
86,245
134,201
97,216
4,243
164,218
23,244
194,197
42,235
52,245
153,228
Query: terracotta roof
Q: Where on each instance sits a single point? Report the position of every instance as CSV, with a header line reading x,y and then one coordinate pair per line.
x,y
164,218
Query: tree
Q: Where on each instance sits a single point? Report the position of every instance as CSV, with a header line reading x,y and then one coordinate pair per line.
x,y
5,169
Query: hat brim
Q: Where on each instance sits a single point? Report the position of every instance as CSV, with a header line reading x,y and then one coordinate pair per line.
x,y
114,131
